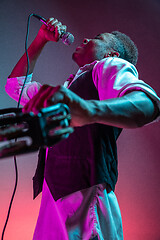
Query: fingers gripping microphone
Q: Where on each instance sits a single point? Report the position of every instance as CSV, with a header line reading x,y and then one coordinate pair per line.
x,y
66,37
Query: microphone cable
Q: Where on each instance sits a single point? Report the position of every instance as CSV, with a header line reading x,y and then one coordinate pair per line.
x,y
18,106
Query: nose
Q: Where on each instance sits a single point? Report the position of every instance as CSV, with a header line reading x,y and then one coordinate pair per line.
x,y
85,40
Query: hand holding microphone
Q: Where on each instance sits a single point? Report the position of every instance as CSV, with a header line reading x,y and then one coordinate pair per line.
x,y
53,30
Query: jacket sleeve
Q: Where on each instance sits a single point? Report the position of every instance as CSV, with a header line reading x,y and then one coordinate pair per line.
x,y
115,77
14,86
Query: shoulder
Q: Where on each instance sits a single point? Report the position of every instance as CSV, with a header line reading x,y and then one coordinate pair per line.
x,y
114,65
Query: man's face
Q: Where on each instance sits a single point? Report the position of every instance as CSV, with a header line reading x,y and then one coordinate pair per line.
x,y
92,49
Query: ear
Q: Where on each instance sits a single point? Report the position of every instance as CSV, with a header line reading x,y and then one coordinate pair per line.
x,y
112,54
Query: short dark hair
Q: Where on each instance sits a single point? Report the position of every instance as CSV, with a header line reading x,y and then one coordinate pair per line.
x,y
125,47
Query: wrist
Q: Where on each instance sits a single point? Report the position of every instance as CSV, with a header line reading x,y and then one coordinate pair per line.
x,y
41,38
98,111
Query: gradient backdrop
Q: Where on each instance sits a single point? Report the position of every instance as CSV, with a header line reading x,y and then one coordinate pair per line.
x,y
138,188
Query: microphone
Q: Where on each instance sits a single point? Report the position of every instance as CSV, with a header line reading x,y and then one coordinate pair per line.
x,y
66,37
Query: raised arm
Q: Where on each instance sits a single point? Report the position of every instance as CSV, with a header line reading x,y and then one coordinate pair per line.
x,y
45,34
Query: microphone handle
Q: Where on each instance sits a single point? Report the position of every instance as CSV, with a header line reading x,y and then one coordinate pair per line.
x,y
43,20
66,37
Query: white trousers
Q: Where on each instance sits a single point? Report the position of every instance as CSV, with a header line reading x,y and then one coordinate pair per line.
x,y
81,215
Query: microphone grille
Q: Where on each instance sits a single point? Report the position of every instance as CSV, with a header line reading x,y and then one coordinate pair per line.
x,y
67,38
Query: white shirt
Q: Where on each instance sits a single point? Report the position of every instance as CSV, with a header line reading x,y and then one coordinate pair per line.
x,y
113,77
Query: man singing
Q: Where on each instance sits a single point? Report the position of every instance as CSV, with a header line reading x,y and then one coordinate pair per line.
x,y
80,172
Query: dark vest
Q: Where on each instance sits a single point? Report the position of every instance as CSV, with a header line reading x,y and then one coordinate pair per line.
x,y
86,158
